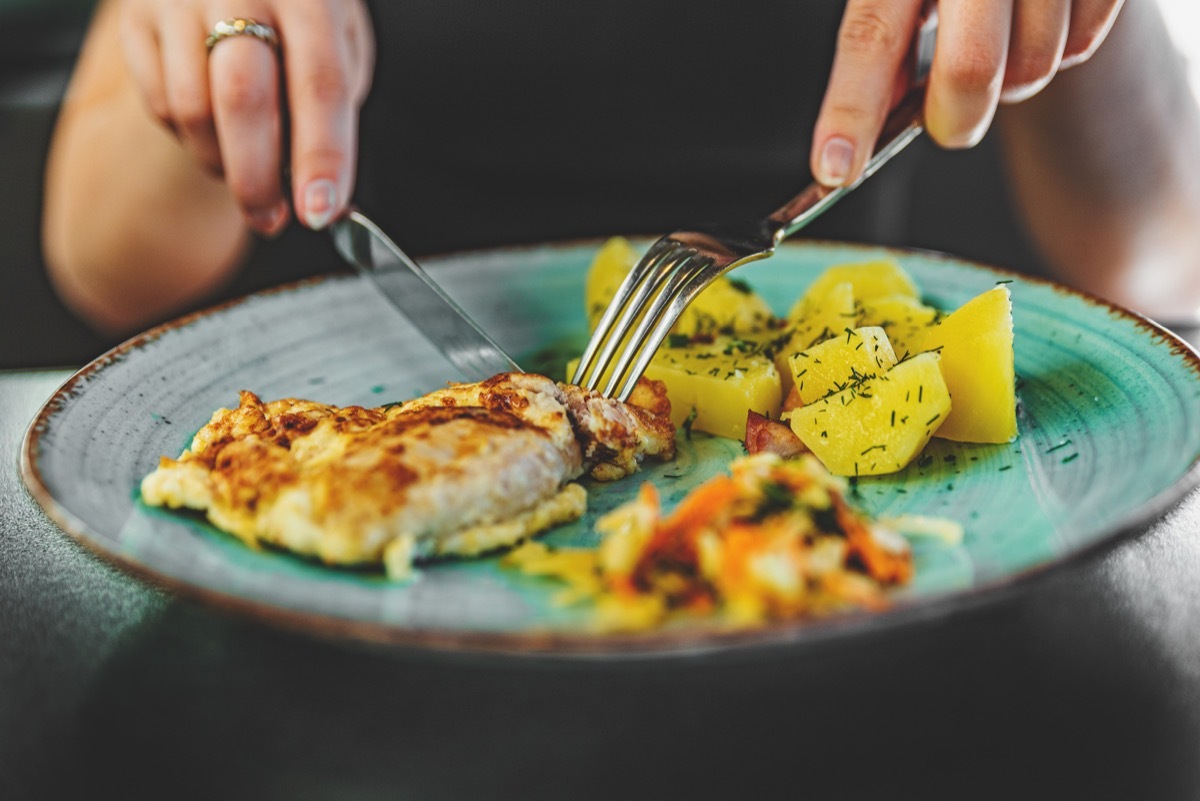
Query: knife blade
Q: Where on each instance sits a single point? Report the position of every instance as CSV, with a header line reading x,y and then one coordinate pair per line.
x,y
418,297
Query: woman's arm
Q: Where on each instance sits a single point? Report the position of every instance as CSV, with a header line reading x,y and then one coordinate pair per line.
x,y
166,156
134,227
1105,168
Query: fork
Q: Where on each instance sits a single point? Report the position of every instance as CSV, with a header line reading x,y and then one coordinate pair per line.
x,y
680,265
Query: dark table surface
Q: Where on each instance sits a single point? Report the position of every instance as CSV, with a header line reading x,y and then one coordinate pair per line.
x,y
1083,683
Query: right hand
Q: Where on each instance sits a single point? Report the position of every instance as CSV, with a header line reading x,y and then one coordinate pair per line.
x,y
225,106
988,52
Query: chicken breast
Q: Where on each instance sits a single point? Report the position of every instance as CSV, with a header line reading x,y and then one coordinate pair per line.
x,y
460,471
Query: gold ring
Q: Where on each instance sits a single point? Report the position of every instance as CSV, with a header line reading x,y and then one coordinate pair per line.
x,y
237,26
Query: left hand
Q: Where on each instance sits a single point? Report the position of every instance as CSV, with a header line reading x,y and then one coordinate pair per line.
x,y
988,52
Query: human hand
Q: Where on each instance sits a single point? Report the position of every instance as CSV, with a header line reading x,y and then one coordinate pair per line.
x,y
225,105
988,52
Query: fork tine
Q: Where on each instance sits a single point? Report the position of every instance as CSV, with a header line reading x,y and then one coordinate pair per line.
x,y
620,339
651,311
703,273
639,347
643,280
625,291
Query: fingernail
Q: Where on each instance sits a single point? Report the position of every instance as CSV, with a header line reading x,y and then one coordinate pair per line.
x,y
837,157
265,221
320,199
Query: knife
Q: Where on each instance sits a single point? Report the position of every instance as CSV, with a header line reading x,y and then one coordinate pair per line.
x,y
418,297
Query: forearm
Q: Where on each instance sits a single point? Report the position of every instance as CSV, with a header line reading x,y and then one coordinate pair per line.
x,y
1103,169
133,228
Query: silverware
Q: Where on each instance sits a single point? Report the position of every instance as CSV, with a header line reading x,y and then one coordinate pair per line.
x,y
680,265
418,297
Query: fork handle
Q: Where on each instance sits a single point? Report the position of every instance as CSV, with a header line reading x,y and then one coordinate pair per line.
x,y
904,124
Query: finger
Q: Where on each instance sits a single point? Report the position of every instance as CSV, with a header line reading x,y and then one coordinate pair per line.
x,y
361,41
873,43
1091,20
185,75
324,114
968,70
1039,33
144,57
245,93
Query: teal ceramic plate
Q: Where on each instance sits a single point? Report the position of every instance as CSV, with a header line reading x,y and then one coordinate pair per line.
x,y
1109,437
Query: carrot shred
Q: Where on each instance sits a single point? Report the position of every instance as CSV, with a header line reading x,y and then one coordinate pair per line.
x,y
880,564
751,546
703,506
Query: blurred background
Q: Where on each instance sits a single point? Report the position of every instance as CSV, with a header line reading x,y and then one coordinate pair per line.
x,y
955,202
41,38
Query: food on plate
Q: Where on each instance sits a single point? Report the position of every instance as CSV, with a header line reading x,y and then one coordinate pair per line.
x,y
712,380
877,425
837,311
726,305
840,362
460,471
976,345
774,539
843,340
869,279
904,319
773,436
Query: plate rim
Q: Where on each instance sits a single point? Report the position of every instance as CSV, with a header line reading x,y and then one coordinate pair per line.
x,y
561,644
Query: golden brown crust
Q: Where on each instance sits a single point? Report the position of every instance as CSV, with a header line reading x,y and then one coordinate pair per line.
x,y
614,437
347,484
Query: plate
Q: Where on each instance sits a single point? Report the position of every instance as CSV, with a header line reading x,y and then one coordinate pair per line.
x,y
1109,424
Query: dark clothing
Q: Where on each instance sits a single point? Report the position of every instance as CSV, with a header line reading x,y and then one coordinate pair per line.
x,y
506,123
494,124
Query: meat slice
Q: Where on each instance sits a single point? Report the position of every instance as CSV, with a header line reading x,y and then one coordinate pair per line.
x,y
615,437
462,470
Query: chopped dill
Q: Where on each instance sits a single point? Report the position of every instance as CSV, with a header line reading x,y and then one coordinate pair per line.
x,y
689,422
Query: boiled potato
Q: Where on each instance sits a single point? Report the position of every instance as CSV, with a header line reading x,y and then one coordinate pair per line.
x,y
727,305
830,318
868,279
609,267
904,318
976,346
836,363
879,425
859,398
715,383
720,381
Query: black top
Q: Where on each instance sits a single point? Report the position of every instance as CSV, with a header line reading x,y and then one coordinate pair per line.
x,y
544,119
493,124
533,120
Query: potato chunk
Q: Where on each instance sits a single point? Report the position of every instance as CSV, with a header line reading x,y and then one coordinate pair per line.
x,y
817,322
879,425
905,319
715,383
976,345
868,279
720,381
836,363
